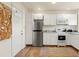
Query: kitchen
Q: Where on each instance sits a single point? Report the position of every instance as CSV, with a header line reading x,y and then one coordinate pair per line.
x,y
40,29
58,23
54,26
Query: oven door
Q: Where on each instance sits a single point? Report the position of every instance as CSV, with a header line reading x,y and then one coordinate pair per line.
x,y
61,37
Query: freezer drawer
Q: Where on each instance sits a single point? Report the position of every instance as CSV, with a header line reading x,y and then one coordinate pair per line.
x,y
37,39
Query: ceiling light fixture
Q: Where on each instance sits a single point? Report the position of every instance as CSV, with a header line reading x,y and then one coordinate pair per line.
x,y
68,8
53,2
39,8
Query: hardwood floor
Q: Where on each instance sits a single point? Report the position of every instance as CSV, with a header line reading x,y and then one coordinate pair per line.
x,y
47,52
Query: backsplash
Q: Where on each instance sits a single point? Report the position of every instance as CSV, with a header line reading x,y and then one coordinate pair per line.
x,y
54,28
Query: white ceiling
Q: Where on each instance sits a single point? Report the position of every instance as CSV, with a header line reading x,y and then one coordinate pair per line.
x,y
48,6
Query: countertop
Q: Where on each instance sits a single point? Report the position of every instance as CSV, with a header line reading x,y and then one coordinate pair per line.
x,y
77,33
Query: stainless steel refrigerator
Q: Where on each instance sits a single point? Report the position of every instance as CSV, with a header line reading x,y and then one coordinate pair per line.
x,y
37,33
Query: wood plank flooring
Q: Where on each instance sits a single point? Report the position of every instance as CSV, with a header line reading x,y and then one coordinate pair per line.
x,y
47,52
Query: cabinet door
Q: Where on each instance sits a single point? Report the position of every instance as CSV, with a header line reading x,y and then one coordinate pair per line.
x,y
53,38
68,39
49,19
46,39
49,39
71,18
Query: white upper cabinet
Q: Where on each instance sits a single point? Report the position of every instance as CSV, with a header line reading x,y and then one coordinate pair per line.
x,y
70,19
37,16
54,19
50,19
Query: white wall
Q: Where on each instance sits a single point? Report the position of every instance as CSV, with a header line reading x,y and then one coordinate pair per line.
x,y
78,20
5,45
10,47
29,27
5,48
54,12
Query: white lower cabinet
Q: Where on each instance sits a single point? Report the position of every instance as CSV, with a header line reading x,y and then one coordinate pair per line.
x,y
68,39
50,38
75,41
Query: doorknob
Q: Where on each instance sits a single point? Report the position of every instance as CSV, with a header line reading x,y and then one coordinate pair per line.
x,y
21,33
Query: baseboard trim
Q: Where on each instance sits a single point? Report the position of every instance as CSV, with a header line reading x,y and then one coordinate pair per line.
x,y
57,46
43,45
50,45
21,52
28,44
75,49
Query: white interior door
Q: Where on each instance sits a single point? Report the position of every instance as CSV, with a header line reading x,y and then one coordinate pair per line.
x,y
18,41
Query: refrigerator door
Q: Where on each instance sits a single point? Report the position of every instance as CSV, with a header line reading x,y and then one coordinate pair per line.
x,y
38,24
38,39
